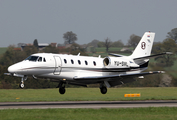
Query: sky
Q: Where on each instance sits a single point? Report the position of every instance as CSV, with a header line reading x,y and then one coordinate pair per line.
x,y
22,21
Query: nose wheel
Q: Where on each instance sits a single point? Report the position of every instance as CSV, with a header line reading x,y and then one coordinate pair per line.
x,y
22,85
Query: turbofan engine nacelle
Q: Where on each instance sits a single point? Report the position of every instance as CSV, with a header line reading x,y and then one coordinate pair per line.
x,y
114,62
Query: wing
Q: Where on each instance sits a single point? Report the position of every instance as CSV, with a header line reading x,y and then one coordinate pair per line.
x,y
101,78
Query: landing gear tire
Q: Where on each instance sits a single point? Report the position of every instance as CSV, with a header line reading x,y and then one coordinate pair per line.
x,y
103,90
21,85
62,90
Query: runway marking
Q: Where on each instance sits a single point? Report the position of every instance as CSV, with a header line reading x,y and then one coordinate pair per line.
x,y
88,104
132,95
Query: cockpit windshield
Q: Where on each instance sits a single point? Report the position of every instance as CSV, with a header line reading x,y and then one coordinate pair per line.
x,y
36,58
32,58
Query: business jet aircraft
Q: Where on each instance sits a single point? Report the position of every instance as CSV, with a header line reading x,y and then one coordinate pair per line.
x,y
84,70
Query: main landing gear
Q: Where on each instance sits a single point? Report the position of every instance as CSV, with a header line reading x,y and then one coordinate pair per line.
x,y
61,87
62,90
103,89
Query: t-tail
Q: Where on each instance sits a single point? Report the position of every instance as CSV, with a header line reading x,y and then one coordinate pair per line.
x,y
144,47
142,52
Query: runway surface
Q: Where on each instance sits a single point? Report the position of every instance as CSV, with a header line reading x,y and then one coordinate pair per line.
x,y
88,104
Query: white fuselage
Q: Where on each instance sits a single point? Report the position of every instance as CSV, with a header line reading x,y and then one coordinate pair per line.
x,y
66,67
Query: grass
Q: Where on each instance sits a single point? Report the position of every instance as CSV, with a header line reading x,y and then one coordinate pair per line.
x,y
151,113
87,94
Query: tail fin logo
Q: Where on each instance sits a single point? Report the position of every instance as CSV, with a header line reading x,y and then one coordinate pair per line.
x,y
143,45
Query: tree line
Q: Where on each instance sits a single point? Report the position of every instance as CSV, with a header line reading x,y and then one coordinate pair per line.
x,y
12,56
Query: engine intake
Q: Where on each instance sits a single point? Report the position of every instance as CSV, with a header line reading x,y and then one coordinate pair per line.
x,y
115,62
106,61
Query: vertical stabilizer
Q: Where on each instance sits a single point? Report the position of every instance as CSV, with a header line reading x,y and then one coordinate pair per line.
x,y
144,47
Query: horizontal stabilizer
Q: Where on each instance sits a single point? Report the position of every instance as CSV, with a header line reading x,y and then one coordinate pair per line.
x,y
98,78
152,56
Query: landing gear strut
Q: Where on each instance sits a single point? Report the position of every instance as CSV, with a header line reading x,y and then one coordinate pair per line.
x,y
62,89
22,85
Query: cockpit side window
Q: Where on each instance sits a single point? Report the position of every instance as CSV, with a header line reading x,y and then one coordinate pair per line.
x,y
32,58
40,59
44,60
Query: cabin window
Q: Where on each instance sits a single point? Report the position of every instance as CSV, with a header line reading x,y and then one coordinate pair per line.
x,y
79,62
86,63
94,63
65,61
40,59
44,60
32,58
72,61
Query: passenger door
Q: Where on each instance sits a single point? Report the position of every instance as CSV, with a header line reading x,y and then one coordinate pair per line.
x,y
57,65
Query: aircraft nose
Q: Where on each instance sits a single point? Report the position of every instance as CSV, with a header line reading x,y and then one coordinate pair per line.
x,y
15,68
12,69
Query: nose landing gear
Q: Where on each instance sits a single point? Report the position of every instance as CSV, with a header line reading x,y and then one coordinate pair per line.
x,y
22,85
